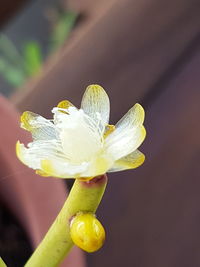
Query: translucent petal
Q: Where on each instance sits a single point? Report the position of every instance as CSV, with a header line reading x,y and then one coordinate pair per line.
x,y
96,104
40,128
27,158
131,161
133,118
47,159
126,143
128,135
38,150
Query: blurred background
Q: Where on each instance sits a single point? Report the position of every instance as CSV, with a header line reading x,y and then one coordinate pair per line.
x,y
139,51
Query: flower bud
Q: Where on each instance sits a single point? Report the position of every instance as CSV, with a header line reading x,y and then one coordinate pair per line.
x,y
87,232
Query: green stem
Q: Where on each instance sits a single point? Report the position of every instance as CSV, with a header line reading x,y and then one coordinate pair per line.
x,y
84,196
2,263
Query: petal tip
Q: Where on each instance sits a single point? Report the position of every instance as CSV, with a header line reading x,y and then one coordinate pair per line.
x,y
95,87
23,119
144,132
95,90
142,159
95,100
19,151
26,120
139,110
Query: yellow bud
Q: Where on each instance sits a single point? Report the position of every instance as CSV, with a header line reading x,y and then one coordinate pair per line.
x,y
87,232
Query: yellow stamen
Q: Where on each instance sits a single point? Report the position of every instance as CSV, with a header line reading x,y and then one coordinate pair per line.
x,y
25,118
109,129
41,173
65,104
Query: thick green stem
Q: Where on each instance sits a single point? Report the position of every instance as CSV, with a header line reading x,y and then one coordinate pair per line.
x,y
84,196
2,263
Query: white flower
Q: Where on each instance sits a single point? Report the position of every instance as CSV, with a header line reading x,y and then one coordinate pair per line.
x,y
79,143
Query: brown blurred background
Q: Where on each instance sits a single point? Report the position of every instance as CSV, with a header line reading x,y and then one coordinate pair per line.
x,y
139,51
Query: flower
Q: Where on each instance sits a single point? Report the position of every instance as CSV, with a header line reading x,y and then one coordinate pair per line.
x,y
79,143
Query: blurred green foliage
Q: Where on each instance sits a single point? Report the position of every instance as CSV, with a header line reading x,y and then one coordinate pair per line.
x,y
32,58
16,67
62,29
11,62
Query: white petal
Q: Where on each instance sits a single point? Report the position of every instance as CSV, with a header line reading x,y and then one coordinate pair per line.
x,y
128,135
96,104
40,128
97,166
48,160
39,150
133,118
63,169
27,158
131,161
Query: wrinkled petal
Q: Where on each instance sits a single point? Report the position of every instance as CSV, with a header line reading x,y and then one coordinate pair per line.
x,y
38,150
133,118
131,161
40,128
96,104
48,160
128,135
27,158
